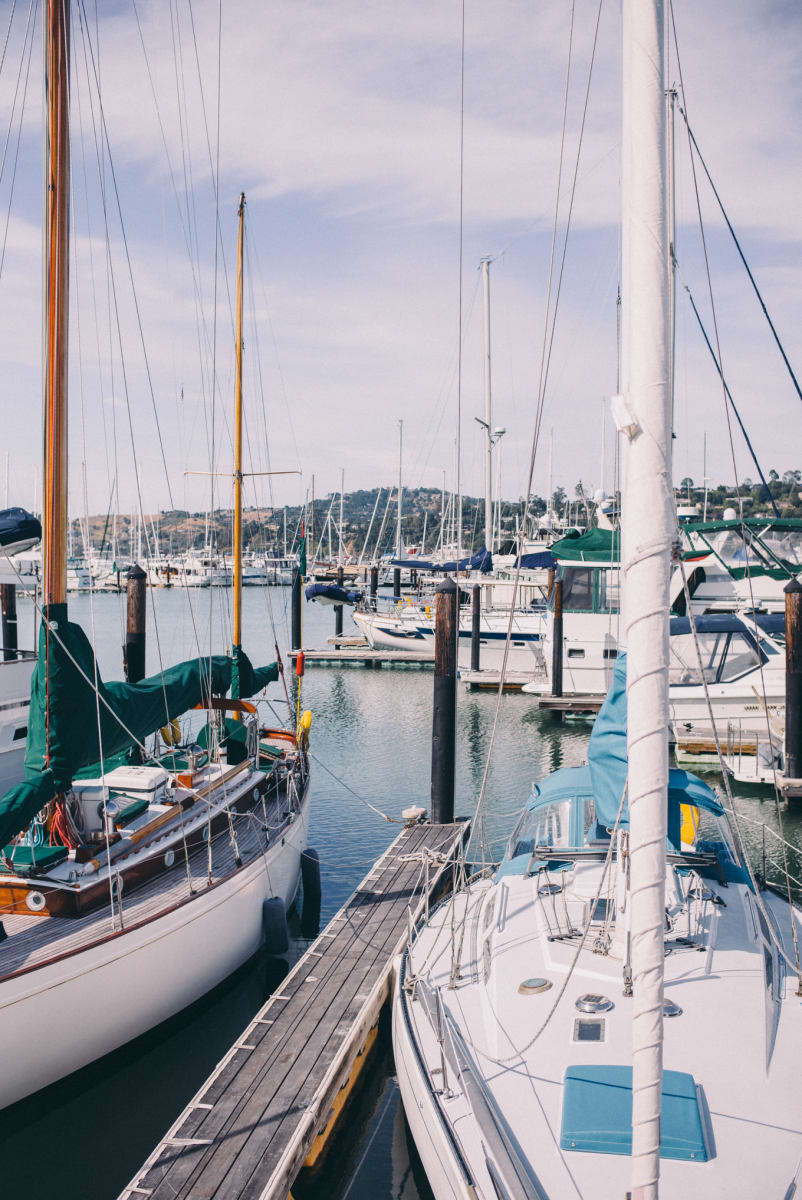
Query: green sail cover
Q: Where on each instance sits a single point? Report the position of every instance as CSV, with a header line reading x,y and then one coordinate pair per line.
x,y
594,546
247,680
302,557
66,720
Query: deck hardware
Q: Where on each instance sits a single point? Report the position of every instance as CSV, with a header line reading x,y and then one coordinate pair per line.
x,y
534,986
670,1009
592,1002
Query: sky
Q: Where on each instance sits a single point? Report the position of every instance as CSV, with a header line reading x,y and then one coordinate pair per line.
x,y
341,121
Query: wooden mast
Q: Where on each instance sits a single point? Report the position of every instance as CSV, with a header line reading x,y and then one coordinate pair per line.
x,y
237,630
57,303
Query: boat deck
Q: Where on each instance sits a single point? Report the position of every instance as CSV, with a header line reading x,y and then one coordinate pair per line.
x,y
248,1130
33,940
364,656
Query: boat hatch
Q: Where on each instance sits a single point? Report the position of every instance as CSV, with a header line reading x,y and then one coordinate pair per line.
x,y
597,1113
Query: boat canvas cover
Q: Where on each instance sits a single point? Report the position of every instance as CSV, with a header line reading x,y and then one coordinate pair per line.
x,y
18,526
70,727
597,545
481,561
607,759
332,593
531,562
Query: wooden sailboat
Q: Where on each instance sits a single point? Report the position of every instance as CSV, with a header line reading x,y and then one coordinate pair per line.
x,y
132,881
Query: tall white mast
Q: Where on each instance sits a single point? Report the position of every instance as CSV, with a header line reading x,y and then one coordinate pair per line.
x,y
340,542
488,410
398,539
643,415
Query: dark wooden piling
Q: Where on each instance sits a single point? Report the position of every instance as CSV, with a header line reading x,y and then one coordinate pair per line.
x,y
476,628
374,585
444,714
295,621
557,642
136,616
793,679
397,582
338,608
8,610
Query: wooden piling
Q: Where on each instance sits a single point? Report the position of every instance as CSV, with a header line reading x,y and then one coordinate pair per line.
x,y
295,621
8,610
338,608
374,585
397,583
557,642
793,679
136,617
444,713
476,623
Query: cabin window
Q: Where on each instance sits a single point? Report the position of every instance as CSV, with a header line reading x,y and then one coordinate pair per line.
x,y
683,663
741,657
20,733
574,652
609,590
785,544
577,589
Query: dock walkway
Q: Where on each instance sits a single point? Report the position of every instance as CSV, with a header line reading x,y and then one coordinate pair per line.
x,y
364,656
246,1133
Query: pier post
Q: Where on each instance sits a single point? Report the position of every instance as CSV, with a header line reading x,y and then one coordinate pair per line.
x,y
476,621
793,679
557,642
444,714
396,583
374,586
295,622
8,609
338,608
136,616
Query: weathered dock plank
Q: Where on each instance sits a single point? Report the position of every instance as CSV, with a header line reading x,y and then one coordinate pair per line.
x,y
247,1131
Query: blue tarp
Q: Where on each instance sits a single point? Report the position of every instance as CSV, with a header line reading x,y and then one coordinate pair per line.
x,y
332,593
18,526
543,558
482,561
607,758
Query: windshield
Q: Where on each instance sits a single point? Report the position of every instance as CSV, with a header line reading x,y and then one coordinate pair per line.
x,y
785,544
724,657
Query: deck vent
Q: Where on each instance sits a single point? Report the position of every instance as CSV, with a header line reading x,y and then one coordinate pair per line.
x,y
670,1009
591,1002
531,987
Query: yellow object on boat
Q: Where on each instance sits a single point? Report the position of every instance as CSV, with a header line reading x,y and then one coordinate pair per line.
x,y
690,823
171,734
304,725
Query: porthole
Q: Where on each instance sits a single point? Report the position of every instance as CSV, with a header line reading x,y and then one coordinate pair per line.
x,y
205,833
35,901
117,885
169,858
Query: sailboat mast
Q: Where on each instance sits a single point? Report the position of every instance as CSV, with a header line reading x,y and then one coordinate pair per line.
x,y
57,301
237,624
398,539
488,410
643,415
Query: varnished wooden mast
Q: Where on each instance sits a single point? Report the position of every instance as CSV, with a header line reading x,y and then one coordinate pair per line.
x,y
237,630
57,225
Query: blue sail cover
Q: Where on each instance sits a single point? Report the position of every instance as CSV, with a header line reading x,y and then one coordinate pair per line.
x,y
607,758
530,562
332,593
18,529
481,561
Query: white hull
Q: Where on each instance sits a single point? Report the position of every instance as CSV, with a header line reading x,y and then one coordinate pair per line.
x,y
413,630
76,1010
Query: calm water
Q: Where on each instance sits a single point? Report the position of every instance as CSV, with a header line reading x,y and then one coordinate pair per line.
x,y
370,741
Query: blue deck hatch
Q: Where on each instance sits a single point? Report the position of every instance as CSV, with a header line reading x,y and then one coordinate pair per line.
x,y
597,1113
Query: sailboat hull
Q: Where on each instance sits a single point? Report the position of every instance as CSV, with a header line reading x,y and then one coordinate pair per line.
x,y
69,1012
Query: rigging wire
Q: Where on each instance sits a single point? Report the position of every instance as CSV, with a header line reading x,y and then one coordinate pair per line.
x,y
798,965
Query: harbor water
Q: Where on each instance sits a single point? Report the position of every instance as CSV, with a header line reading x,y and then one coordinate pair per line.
x,y
371,746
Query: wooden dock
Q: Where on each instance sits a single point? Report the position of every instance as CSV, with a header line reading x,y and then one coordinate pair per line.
x,y
280,1088
483,680
571,704
363,656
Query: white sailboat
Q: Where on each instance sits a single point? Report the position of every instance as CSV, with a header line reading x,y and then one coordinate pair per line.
x,y
613,1011
126,896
